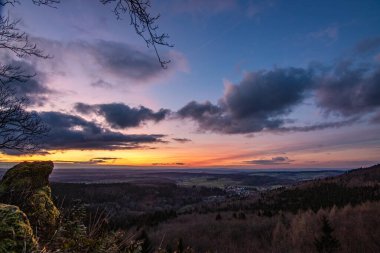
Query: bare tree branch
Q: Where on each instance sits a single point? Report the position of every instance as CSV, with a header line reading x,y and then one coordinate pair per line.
x,y
19,129
10,73
50,3
143,22
12,39
37,2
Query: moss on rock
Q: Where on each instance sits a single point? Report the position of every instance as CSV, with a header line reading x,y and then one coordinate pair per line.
x,y
42,208
27,186
16,234
27,175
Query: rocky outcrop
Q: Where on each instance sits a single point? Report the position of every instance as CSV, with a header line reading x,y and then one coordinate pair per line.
x,y
16,234
27,186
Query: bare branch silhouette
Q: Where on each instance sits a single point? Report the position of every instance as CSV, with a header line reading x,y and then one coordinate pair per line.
x,y
19,129
10,73
37,2
143,22
16,41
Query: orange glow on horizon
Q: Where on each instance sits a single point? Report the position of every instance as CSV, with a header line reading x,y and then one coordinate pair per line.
x,y
190,158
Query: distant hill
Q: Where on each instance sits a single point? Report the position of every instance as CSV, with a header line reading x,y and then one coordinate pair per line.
x,y
353,187
360,177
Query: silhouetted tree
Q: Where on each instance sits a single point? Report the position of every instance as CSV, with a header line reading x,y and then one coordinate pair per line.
x,y
168,249
19,129
180,246
326,243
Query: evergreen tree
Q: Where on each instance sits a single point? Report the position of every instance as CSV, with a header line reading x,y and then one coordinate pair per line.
x,y
180,247
327,243
169,249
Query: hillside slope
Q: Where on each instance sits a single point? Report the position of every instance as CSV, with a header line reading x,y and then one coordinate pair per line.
x,y
359,177
354,187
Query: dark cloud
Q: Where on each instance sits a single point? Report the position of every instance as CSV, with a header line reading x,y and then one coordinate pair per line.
x,y
367,45
376,118
73,132
121,116
274,161
123,60
181,140
261,101
100,83
168,164
97,160
266,94
105,158
350,91
216,119
105,60
84,108
31,86
320,126
197,110
258,102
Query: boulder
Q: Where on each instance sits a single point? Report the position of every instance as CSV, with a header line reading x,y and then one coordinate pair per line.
x,y
16,234
27,186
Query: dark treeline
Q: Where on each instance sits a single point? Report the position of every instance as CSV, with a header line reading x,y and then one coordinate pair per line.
x,y
324,195
129,204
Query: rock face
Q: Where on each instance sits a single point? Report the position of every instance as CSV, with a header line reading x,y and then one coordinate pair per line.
x,y
16,234
27,186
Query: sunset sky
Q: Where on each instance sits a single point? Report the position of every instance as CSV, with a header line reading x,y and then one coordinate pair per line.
x,y
251,84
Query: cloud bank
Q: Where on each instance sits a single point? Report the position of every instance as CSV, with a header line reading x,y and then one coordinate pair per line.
x,y
73,132
181,140
106,59
120,116
258,102
29,82
274,161
263,100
